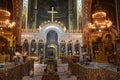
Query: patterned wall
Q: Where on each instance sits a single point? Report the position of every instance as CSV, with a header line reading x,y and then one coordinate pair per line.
x,y
86,18
17,10
118,12
86,11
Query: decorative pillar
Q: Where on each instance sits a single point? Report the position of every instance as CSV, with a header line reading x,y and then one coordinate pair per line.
x,y
17,12
59,51
25,14
44,52
28,23
37,48
43,49
117,3
66,49
73,47
81,56
86,17
35,15
79,14
29,50
69,14
86,11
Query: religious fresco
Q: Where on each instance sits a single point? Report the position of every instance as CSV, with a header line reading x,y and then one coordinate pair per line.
x,y
43,6
77,47
40,47
62,48
59,6
33,47
69,45
64,11
25,46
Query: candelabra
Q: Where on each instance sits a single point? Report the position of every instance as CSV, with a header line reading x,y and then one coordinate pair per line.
x,y
4,19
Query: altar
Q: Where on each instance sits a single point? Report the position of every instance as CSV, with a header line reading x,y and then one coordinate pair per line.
x,y
51,34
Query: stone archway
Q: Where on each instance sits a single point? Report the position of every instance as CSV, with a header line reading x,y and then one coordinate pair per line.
x,y
55,31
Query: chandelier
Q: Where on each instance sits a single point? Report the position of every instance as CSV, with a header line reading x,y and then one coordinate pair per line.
x,y
4,19
100,21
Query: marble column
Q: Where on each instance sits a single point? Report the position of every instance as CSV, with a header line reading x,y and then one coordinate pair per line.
x,y
79,14
37,48
69,14
66,49
73,47
81,56
44,51
35,12
59,53
29,50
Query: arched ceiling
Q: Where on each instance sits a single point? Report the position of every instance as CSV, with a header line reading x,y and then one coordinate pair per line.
x,y
106,5
43,6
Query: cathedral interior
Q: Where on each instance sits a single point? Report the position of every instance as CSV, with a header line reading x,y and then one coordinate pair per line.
x,y
59,40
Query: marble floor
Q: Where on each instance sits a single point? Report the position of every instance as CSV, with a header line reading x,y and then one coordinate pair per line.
x,y
63,72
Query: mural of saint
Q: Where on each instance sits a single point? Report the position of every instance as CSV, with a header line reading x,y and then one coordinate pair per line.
x,y
25,45
40,47
33,47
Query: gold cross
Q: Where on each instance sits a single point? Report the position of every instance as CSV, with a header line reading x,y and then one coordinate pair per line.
x,y
52,12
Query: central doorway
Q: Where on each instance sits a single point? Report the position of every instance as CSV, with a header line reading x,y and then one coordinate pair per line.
x,y
52,42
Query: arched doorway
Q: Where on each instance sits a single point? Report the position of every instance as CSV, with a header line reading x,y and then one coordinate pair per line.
x,y
52,37
52,41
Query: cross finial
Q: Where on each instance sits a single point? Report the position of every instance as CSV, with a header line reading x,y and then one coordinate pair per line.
x,y
52,12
